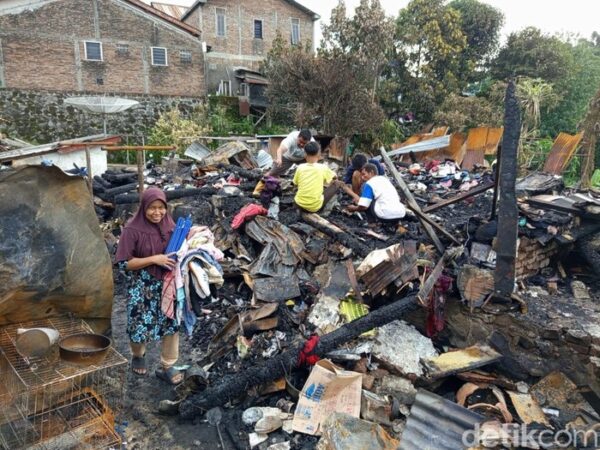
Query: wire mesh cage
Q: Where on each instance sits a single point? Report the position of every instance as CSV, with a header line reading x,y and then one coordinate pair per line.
x,y
47,403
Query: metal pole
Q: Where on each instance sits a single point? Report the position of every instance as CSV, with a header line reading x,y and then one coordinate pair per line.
x,y
508,213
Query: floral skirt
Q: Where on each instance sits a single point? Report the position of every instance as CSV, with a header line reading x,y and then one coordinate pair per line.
x,y
145,319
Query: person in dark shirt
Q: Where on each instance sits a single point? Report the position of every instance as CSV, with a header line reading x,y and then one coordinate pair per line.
x,y
353,176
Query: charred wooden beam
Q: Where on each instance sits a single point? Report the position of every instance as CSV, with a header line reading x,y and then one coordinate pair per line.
x,y
508,213
336,233
108,194
435,225
171,195
253,175
470,193
233,386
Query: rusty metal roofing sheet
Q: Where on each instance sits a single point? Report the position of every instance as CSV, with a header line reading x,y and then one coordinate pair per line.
x,y
176,11
484,138
561,153
167,17
437,424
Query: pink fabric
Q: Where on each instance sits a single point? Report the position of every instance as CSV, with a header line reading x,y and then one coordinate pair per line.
x,y
141,238
247,213
169,294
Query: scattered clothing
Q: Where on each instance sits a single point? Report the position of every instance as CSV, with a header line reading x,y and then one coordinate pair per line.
x,y
272,188
311,179
248,212
380,191
350,170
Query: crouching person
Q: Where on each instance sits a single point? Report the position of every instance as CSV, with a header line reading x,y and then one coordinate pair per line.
x,y
379,198
315,182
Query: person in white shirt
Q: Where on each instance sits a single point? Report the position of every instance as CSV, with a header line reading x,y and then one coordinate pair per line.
x,y
379,198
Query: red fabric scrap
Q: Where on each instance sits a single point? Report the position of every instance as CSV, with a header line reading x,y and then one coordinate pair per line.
x,y
437,306
306,356
246,213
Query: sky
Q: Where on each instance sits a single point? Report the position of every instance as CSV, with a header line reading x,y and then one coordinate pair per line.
x,y
576,16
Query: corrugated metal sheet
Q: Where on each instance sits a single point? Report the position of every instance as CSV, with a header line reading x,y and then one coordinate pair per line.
x,y
437,424
561,153
480,142
423,146
484,138
176,11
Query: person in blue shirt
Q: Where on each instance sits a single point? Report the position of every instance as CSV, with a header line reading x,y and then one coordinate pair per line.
x,y
353,176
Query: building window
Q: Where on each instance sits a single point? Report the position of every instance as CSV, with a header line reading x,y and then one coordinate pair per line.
x,y
185,57
220,18
295,31
159,56
122,49
224,88
93,51
258,31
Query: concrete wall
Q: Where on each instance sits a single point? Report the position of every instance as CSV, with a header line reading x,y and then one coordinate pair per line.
x,y
42,116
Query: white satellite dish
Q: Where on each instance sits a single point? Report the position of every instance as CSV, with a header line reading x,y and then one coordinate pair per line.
x,y
101,105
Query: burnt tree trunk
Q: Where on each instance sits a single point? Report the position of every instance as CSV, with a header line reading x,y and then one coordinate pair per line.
x,y
235,385
508,213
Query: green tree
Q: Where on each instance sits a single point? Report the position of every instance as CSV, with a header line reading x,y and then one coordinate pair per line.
x,y
429,45
481,25
172,128
534,94
576,90
533,54
462,113
368,36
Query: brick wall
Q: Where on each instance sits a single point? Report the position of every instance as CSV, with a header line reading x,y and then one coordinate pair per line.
x,y
533,256
44,49
240,15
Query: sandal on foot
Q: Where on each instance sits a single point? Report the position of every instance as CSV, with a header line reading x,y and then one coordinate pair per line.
x,y
169,375
139,363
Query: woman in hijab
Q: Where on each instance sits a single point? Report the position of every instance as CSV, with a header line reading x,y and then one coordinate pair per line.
x,y
140,255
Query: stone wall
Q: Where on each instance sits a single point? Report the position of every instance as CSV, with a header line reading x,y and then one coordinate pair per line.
x,y
41,117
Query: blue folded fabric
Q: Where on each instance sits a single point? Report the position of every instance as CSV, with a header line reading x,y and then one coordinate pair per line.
x,y
182,228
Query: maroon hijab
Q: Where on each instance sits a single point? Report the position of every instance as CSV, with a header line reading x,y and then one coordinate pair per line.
x,y
141,238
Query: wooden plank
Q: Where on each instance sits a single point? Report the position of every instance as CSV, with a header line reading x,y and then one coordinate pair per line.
x,y
411,201
140,172
137,148
353,280
471,192
437,226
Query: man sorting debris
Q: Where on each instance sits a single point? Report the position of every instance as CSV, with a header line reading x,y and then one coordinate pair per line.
x,y
289,152
311,179
378,197
353,176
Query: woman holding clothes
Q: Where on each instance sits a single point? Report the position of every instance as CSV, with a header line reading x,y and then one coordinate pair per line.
x,y
141,256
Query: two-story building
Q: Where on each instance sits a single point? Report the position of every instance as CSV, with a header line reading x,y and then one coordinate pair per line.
x,y
239,33
103,46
